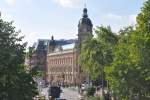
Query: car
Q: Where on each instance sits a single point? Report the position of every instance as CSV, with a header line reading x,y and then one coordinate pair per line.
x,y
83,87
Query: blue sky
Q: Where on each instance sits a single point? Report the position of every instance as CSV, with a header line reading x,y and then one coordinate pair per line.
x,y
43,18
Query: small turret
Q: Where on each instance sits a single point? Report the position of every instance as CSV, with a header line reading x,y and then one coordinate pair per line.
x,y
85,15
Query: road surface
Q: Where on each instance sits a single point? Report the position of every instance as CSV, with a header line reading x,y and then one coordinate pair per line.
x,y
70,94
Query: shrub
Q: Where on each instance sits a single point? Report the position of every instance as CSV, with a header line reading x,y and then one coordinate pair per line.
x,y
90,91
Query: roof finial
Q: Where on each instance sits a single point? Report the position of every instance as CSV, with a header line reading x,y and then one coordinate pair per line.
x,y
85,15
84,5
52,37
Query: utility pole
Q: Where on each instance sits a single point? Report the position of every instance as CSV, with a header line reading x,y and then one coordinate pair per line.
x,y
103,75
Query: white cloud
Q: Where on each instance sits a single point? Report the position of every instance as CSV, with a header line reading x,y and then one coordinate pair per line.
x,y
130,19
118,21
10,2
13,2
113,16
28,1
67,3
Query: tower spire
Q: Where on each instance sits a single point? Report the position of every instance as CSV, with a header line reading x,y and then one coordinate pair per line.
x,y
85,15
84,5
85,2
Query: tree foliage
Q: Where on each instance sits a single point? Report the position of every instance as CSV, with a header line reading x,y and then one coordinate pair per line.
x,y
143,18
30,52
125,58
129,73
97,52
89,58
16,83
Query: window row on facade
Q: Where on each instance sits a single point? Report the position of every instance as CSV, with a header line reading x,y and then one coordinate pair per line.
x,y
56,61
60,69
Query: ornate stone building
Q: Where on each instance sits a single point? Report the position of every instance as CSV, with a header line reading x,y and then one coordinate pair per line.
x,y
62,64
57,59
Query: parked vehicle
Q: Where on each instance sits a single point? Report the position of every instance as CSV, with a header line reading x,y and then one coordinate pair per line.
x,y
85,86
54,91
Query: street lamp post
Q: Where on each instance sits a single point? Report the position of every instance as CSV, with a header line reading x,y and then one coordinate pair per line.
x,y
148,26
102,75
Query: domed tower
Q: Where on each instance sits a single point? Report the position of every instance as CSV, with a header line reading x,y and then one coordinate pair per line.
x,y
85,27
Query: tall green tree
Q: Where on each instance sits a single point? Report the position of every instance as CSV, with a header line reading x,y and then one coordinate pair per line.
x,y
97,52
109,39
129,73
90,56
16,83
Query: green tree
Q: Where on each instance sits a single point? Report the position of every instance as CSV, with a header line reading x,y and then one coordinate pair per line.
x,y
89,58
30,52
97,52
129,73
105,35
16,83
108,39
143,18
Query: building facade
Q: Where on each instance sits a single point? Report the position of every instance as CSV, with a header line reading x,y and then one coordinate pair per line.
x,y
57,59
62,66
